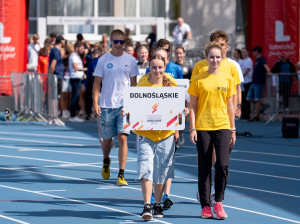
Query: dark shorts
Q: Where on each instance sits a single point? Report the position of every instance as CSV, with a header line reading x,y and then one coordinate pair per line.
x,y
255,92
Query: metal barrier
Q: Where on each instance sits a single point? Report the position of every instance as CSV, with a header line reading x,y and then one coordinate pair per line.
x,y
36,97
282,95
5,85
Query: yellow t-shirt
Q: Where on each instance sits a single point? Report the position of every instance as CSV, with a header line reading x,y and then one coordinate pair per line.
x,y
155,135
212,92
225,66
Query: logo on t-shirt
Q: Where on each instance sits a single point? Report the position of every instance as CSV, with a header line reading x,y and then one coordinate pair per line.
x,y
224,89
110,65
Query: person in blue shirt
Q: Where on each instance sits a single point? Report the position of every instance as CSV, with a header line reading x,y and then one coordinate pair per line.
x,y
88,84
256,90
172,69
56,65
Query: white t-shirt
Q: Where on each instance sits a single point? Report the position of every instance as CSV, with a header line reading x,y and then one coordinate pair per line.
x,y
33,55
74,58
247,63
238,67
116,73
180,32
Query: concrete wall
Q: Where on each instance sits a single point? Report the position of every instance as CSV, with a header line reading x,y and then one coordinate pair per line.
x,y
206,16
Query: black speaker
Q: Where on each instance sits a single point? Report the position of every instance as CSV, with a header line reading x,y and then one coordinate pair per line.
x,y
290,127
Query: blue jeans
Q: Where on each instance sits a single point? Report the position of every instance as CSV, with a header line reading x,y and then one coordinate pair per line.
x,y
111,123
76,86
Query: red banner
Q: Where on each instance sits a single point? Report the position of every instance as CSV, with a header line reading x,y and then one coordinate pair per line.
x,y
274,25
13,40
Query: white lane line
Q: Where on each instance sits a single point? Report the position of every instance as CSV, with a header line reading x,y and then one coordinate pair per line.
x,y
77,201
44,135
264,214
245,172
20,148
96,139
266,153
49,191
246,188
181,164
267,163
133,188
244,210
180,156
15,220
36,141
111,187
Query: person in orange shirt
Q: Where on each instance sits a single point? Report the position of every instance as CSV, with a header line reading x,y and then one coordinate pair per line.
x,y
43,60
43,65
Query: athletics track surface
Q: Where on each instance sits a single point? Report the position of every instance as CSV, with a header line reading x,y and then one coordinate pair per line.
x,y
53,175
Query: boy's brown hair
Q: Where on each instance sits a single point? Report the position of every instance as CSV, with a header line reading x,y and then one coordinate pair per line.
x,y
218,34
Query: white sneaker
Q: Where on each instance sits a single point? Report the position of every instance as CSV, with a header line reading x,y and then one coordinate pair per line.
x,y
76,119
212,199
65,116
198,196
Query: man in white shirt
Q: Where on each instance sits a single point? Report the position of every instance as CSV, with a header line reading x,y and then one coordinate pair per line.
x,y
247,68
182,33
76,76
239,96
115,70
33,53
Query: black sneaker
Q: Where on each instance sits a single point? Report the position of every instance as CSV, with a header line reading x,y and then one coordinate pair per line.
x,y
167,202
147,212
158,211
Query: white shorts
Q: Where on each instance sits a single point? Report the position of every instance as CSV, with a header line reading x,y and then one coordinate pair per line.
x,y
66,86
155,160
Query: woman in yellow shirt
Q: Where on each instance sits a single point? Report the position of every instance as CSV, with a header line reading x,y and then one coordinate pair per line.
x,y
156,148
212,124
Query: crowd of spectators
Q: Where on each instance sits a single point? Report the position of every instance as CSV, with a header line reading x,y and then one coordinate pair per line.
x,y
74,62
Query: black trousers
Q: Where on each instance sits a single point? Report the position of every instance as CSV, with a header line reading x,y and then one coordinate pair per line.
x,y
246,106
205,142
284,91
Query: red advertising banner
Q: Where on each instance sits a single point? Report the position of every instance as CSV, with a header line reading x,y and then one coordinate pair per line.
x,y
274,25
13,40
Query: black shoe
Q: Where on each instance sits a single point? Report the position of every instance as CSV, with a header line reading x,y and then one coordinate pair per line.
x,y
177,146
157,211
167,202
147,212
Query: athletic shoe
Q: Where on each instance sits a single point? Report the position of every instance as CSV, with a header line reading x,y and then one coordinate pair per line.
x,y
167,202
147,212
152,199
198,196
105,171
122,181
181,140
157,211
76,119
212,200
65,115
219,212
206,213
177,145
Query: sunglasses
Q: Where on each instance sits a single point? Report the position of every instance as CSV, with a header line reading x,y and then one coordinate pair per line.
x,y
118,41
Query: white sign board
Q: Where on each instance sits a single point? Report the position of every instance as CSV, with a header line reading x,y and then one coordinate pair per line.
x,y
154,108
